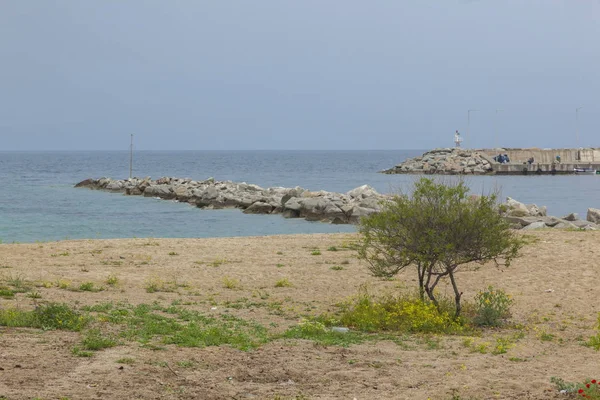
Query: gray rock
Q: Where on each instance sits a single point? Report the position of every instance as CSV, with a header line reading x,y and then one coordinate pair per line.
x,y
593,215
293,204
88,183
362,192
210,193
571,217
259,208
580,223
162,191
566,225
535,225
115,186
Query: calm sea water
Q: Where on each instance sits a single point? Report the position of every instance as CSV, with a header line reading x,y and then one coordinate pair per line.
x,y
38,201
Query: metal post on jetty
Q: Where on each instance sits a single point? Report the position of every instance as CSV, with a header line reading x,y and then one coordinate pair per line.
x,y
131,158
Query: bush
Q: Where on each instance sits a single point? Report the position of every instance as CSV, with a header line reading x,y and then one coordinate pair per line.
x,y
492,306
397,313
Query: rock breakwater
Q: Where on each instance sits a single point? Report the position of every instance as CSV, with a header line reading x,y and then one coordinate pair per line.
x,y
448,161
337,208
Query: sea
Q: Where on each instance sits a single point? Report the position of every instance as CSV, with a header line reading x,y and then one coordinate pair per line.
x,y
39,203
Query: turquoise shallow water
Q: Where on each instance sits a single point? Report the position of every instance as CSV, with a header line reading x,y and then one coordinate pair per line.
x,y
38,201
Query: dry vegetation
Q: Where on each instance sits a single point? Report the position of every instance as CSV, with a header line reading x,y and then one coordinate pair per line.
x,y
157,312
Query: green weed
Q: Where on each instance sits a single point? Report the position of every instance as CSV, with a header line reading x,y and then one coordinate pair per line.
x,y
231,283
283,283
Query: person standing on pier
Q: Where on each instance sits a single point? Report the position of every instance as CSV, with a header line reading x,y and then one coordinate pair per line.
x,y
457,139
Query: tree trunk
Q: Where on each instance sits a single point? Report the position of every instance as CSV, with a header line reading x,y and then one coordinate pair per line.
x,y
457,294
429,289
421,271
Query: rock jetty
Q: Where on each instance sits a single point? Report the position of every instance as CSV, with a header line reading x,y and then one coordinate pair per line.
x,y
337,208
449,161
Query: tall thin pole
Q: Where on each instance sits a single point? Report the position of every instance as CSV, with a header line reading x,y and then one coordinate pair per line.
x,y
577,125
131,158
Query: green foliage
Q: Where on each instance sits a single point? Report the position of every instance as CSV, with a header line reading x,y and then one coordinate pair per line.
x,y
283,283
492,306
315,253
94,340
318,332
48,316
231,283
436,229
594,341
90,287
397,313
332,248
174,325
112,280
337,268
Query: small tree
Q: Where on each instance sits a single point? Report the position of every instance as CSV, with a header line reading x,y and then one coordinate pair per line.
x,y
437,229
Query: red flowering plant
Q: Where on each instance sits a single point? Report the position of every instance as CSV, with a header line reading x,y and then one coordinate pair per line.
x,y
590,390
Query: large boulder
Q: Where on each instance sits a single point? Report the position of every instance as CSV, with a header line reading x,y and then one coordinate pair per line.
x,y
516,208
259,208
161,191
362,192
535,225
115,186
88,183
593,215
571,217
566,225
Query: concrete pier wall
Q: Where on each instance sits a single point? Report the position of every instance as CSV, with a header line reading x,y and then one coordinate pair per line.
x,y
548,156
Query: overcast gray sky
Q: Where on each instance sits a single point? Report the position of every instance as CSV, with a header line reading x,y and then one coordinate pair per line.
x,y
309,74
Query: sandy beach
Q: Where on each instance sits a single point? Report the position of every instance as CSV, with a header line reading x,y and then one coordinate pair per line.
x,y
275,281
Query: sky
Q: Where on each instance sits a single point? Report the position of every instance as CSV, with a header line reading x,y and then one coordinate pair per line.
x,y
305,75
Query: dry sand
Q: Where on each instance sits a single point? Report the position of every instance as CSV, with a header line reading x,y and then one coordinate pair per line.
x,y
554,285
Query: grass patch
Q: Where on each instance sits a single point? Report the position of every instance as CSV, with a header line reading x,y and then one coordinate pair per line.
x,y
186,364
336,268
94,340
172,253
231,283
90,287
112,280
47,317
315,253
126,360
218,262
176,325
283,283
332,248
156,284
318,332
